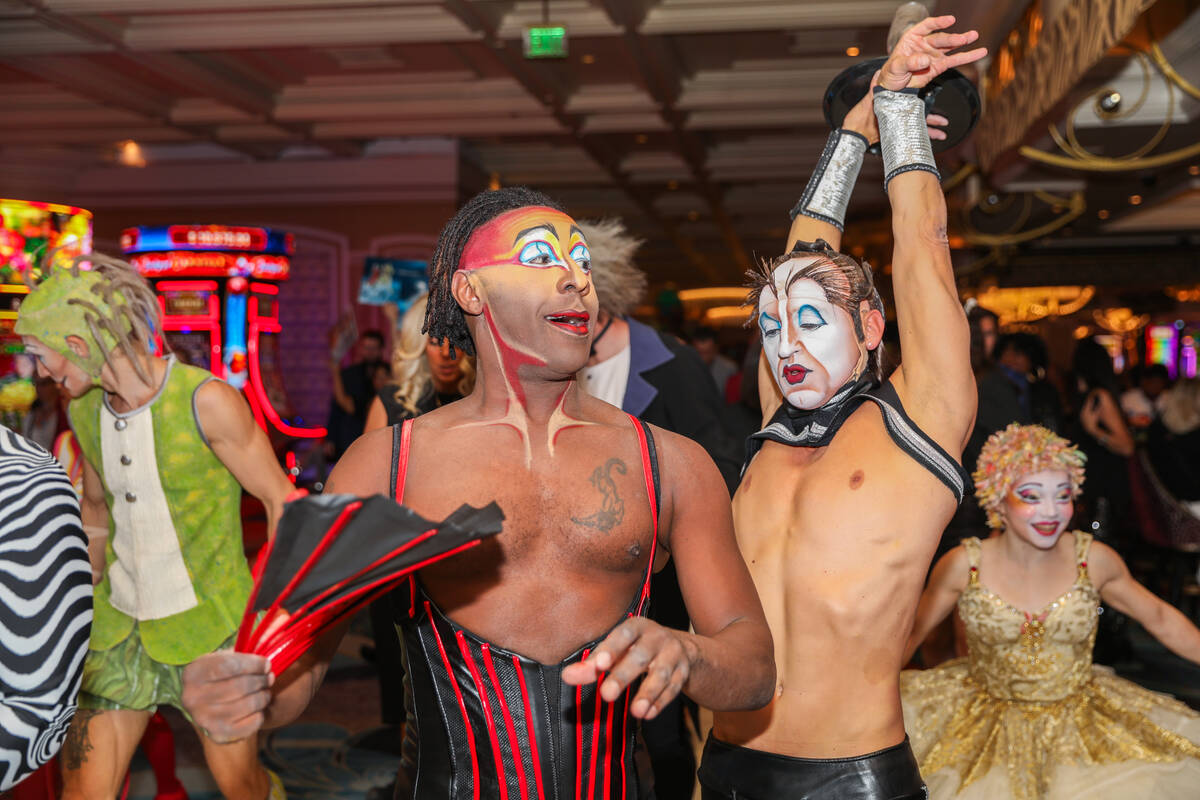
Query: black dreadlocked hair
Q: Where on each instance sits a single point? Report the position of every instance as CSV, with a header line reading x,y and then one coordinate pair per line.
x,y
444,319
847,283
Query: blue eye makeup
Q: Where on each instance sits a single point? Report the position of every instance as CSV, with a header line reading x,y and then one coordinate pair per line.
x,y
539,254
768,324
582,256
808,318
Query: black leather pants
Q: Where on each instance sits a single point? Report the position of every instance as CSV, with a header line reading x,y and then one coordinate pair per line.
x,y
728,772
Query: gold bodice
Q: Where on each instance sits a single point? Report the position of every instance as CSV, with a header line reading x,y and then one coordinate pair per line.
x,y
1024,655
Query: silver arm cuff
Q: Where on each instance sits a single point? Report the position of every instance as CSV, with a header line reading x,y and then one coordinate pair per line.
x,y
903,137
828,191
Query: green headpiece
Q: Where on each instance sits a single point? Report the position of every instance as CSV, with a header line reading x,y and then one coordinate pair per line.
x,y
108,306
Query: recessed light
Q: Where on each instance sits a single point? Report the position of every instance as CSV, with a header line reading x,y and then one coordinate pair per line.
x,y
672,185
1135,199
852,51
693,216
1102,213
1194,169
588,58
641,138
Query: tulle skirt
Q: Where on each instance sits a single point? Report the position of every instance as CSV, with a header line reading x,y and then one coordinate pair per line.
x,y
1111,740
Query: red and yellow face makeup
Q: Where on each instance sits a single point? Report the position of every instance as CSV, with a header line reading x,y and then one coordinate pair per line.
x,y
535,237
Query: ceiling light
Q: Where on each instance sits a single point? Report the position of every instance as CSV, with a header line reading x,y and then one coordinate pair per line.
x,y
852,51
1102,213
588,58
1194,169
1135,199
693,216
672,185
130,154
641,138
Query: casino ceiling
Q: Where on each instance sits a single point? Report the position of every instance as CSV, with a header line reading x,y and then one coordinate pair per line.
x,y
696,121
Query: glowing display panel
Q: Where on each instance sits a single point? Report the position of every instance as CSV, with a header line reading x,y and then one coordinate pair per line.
x,y
1162,343
29,230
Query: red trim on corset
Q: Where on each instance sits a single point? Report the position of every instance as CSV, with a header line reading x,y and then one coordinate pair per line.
x,y
624,741
579,738
648,472
608,749
412,597
488,718
402,458
518,762
461,705
595,739
533,751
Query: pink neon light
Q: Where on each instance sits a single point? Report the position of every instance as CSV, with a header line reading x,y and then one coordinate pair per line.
x,y
186,286
256,385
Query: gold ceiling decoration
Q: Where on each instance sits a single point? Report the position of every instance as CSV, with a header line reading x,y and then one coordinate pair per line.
x,y
1120,320
1067,208
1111,106
1184,294
1032,303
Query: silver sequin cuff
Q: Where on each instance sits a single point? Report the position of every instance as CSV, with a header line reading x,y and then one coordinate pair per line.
x,y
828,191
903,137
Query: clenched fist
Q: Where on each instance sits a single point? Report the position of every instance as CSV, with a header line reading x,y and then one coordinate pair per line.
x,y
226,693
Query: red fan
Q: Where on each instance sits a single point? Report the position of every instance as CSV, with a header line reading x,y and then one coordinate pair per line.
x,y
333,554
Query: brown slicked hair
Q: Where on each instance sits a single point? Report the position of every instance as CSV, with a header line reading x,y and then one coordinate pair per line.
x,y
846,281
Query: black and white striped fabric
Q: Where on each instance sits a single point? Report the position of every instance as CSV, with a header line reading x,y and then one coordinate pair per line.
x,y
45,606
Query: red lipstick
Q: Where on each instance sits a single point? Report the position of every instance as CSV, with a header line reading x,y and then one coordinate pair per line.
x,y
574,322
1046,528
795,374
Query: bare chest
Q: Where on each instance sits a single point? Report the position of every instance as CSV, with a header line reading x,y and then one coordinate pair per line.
x,y
580,510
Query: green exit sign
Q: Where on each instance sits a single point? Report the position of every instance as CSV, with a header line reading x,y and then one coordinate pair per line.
x,y
546,41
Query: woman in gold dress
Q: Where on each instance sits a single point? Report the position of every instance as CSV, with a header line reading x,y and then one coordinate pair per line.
x,y
1026,714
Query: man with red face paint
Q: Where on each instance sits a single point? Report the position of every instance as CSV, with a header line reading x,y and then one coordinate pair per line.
x,y
529,659
852,480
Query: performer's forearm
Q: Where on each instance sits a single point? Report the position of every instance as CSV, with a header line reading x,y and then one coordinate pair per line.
x,y
733,670
1176,632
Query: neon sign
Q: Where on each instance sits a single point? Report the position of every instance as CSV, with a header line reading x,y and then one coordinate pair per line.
x,y
211,265
207,238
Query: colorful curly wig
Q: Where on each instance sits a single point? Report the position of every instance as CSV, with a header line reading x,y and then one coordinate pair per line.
x,y
1022,450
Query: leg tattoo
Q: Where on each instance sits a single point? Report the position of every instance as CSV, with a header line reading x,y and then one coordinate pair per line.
x,y
78,743
612,509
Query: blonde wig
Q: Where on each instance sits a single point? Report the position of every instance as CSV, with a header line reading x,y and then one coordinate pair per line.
x,y
1015,452
410,366
619,284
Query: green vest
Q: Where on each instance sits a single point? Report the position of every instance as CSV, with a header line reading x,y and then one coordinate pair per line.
x,y
204,501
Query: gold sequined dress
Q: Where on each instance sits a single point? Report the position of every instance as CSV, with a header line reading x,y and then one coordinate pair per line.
x,y
1028,716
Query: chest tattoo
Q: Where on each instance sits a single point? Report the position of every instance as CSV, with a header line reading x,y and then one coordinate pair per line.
x,y
612,507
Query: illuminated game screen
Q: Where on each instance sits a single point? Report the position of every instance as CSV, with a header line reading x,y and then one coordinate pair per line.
x,y
1162,346
29,230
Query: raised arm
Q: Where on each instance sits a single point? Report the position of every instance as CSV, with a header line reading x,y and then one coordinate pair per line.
x,y
1163,621
728,663
935,378
242,446
941,594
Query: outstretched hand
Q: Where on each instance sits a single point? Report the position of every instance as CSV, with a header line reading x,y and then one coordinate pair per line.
x,y
635,647
923,53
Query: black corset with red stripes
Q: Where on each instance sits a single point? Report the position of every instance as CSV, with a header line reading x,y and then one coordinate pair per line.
x,y
485,722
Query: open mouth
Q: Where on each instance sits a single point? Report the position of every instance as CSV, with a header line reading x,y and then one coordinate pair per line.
x,y
1046,528
794,374
574,322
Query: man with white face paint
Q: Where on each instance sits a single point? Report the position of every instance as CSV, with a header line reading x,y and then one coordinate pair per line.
x,y
844,496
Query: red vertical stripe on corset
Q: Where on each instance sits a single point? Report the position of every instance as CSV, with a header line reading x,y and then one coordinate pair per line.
x,y
624,741
412,596
595,739
533,751
579,738
518,762
489,720
461,705
648,472
608,746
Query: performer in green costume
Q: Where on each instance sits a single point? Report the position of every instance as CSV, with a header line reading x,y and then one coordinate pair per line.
x,y
166,446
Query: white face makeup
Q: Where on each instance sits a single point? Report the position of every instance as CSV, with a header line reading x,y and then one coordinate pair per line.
x,y
1038,508
811,343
